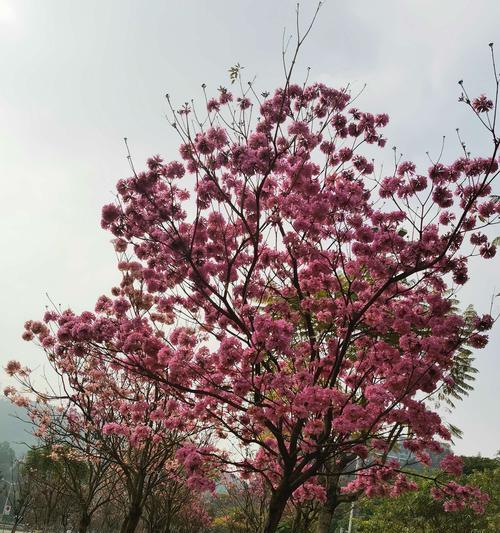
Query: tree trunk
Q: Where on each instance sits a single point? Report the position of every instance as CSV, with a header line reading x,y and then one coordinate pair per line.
x,y
277,505
129,525
327,510
325,518
84,523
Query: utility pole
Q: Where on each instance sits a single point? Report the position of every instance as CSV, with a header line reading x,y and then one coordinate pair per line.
x,y
351,514
359,463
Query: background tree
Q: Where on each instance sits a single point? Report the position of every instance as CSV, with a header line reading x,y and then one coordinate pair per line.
x,y
418,512
105,430
240,505
84,480
7,460
172,506
50,507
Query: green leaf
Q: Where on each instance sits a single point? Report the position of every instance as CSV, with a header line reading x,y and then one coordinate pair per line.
x,y
234,72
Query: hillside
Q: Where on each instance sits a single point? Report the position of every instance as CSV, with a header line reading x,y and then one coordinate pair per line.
x,y
13,430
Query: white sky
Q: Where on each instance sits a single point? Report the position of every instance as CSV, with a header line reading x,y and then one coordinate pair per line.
x,y
79,76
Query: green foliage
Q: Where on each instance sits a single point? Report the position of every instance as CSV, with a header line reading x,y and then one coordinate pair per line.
x,y
479,464
463,372
234,72
418,512
44,464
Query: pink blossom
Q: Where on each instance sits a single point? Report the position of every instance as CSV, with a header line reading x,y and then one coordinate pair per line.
x,y
482,104
110,213
452,464
12,367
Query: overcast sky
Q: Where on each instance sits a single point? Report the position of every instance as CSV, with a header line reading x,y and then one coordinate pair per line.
x,y
78,76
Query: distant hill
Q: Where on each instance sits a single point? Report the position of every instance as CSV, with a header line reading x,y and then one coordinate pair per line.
x,y
12,430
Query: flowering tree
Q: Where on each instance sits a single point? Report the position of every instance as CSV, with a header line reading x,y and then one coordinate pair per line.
x,y
173,506
284,294
104,430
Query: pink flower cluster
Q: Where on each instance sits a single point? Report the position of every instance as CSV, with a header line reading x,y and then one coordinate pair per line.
x,y
458,497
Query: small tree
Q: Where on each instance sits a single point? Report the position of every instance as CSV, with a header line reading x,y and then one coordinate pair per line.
x,y
84,479
104,430
50,507
173,507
